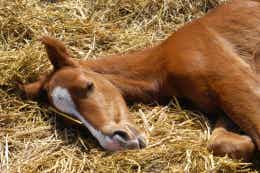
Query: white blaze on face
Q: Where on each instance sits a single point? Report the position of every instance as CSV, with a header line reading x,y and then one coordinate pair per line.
x,y
62,100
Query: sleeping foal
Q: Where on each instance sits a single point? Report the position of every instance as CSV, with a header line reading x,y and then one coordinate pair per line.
x,y
213,62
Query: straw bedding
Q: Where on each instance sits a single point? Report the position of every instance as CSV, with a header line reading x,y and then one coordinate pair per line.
x,y
34,139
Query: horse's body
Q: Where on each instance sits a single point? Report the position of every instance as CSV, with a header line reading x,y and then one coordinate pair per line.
x,y
214,62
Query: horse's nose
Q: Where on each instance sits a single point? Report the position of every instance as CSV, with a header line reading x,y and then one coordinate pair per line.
x,y
142,141
124,139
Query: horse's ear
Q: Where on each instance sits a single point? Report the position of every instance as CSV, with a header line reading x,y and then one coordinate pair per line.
x,y
57,53
33,90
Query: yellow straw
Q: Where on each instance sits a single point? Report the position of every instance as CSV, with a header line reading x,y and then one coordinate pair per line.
x,y
66,116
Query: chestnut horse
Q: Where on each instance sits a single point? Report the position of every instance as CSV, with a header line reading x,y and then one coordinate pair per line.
x,y
214,62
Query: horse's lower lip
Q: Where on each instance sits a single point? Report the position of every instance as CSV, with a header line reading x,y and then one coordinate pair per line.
x,y
116,144
113,145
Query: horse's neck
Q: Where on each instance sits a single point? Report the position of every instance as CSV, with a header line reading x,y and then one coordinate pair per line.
x,y
139,75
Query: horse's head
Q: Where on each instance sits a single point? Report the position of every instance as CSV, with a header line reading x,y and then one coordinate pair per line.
x,y
89,97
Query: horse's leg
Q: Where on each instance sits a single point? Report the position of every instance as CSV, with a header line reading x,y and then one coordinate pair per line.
x,y
239,96
237,92
224,141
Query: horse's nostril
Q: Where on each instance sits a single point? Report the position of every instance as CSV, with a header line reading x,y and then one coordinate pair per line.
x,y
122,134
142,142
